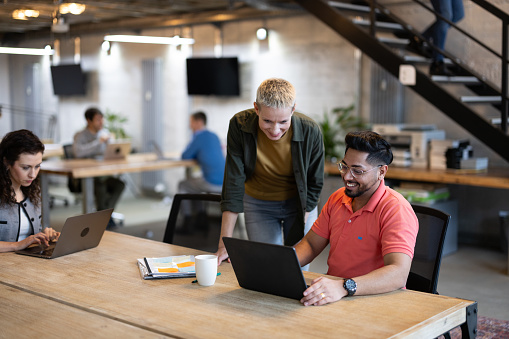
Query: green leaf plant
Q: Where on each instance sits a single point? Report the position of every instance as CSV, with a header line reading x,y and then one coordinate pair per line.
x,y
335,125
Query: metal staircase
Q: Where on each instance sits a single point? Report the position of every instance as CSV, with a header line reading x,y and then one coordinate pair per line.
x,y
361,32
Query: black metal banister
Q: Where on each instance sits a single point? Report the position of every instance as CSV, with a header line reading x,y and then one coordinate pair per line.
x,y
493,9
424,85
459,29
504,17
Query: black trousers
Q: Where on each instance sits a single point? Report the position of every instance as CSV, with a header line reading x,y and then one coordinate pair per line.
x,y
107,191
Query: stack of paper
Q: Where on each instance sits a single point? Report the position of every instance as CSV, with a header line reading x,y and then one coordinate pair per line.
x,y
167,267
437,159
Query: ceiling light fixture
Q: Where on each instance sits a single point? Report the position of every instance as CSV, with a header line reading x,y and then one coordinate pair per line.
x,y
262,33
176,40
26,51
72,8
24,14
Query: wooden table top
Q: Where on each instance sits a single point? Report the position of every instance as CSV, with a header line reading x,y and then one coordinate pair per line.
x,y
53,150
105,281
41,317
493,177
84,168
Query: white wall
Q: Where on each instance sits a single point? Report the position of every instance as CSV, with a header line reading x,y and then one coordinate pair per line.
x,y
5,118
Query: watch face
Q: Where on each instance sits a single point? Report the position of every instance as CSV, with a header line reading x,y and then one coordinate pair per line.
x,y
350,286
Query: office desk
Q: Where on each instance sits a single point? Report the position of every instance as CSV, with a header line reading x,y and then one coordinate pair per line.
x,y
87,169
105,281
53,150
493,178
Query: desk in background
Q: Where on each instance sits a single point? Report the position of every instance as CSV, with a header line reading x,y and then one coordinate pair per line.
x,y
53,150
105,282
87,169
493,178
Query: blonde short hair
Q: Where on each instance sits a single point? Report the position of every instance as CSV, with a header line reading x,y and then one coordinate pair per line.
x,y
276,93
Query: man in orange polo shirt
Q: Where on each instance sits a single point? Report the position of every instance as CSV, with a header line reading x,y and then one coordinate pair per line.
x,y
370,227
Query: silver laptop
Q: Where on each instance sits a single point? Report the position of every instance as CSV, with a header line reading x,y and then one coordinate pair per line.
x,y
79,233
267,268
117,150
160,154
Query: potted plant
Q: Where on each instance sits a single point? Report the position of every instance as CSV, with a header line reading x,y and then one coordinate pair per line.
x,y
335,125
115,124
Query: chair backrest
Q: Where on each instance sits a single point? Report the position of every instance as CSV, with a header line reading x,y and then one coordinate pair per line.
x,y
428,249
73,184
191,239
68,152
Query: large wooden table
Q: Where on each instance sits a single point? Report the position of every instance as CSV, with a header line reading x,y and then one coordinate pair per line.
x,y
101,290
87,169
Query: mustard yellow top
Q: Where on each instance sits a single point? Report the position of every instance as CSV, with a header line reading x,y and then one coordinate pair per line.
x,y
273,177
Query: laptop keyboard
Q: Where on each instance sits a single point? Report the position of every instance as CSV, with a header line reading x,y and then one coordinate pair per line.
x,y
48,251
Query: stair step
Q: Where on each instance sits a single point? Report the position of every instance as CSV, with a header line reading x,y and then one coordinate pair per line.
x,y
350,7
498,121
418,59
394,42
383,25
481,100
455,79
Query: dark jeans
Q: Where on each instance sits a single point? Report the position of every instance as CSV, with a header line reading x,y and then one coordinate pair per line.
x,y
107,191
453,11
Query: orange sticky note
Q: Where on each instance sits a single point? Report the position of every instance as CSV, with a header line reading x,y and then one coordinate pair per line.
x,y
168,270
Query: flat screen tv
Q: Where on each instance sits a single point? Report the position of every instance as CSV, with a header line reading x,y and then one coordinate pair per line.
x,y
213,76
68,80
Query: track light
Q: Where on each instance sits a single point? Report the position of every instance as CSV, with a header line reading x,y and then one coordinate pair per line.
x,y
26,51
24,14
72,8
176,40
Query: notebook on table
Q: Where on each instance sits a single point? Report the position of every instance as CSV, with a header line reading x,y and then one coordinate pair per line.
x,y
117,150
266,268
79,233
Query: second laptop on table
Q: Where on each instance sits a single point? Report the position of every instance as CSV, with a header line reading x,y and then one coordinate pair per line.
x,y
267,268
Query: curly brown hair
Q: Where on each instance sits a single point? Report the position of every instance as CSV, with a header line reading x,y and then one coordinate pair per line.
x,y
12,146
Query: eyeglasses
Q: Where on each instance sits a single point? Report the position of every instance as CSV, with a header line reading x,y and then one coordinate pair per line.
x,y
354,171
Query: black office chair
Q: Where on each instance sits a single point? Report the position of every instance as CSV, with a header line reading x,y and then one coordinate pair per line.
x,y
200,234
429,245
428,249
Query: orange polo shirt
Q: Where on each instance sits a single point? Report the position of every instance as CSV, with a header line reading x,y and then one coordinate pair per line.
x,y
359,241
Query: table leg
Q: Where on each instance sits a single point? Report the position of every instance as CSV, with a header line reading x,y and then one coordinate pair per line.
x,y
469,328
45,200
87,185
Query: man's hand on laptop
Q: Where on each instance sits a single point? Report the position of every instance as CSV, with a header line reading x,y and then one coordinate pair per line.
x,y
323,291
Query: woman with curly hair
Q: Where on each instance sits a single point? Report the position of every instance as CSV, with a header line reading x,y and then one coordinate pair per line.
x,y
20,193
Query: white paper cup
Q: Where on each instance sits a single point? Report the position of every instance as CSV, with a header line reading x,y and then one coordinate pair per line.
x,y
206,269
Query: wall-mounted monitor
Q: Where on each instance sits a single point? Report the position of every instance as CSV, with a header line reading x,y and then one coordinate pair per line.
x,y
68,80
213,76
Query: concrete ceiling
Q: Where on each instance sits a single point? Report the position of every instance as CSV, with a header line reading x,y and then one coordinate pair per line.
x,y
131,15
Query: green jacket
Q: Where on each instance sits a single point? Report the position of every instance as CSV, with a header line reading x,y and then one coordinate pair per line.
x,y
307,157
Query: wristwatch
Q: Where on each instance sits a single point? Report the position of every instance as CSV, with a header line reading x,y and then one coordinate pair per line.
x,y
350,286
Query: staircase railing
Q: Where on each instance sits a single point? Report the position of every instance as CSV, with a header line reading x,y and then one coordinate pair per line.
x,y
495,11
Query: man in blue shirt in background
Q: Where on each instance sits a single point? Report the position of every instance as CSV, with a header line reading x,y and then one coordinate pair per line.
x,y
206,149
